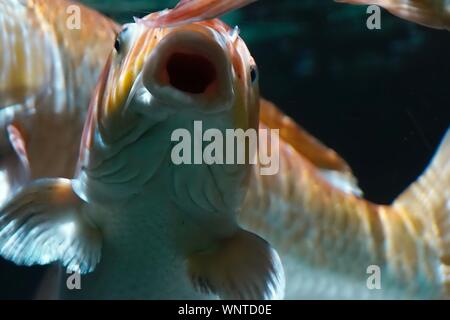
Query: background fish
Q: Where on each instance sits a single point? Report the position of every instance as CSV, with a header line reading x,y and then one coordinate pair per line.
x,y
327,235
158,230
47,74
430,13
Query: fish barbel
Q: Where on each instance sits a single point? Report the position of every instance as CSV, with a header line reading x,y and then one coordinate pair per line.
x,y
49,66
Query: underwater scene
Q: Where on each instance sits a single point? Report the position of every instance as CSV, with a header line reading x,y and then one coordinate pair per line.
x,y
220,149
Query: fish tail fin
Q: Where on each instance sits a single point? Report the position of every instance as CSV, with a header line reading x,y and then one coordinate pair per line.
x,y
243,266
428,200
427,13
365,2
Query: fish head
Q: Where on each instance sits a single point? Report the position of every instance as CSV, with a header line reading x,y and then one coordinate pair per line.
x,y
191,69
174,76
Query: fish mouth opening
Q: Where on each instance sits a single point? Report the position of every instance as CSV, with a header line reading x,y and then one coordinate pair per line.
x,y
190,69
191,73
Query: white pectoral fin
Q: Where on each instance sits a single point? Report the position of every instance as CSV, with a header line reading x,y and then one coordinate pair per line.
x,y
243,266
44,222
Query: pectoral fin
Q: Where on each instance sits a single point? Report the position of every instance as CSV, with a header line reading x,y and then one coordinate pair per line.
x,y
303,142
45,222
243,266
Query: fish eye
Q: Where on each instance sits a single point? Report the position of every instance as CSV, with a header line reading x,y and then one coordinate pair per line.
x,y
253,74
118,42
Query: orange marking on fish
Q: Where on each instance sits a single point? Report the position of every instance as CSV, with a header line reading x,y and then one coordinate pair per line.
x,y
189,11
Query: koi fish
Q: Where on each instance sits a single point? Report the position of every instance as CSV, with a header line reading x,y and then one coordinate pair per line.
x,y
430,13
149,223
48,71
158,230
328,236
330,239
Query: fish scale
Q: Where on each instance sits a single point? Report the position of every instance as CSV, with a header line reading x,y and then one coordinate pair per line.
x,y
341,234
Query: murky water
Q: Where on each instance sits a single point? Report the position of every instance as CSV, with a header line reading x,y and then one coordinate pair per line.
x,y
378,97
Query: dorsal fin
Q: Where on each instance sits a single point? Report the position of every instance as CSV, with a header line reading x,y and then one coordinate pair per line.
x,y
303,142
331,166
189,11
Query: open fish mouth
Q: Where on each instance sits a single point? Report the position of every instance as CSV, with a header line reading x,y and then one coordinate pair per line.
x,y
190,72
191,69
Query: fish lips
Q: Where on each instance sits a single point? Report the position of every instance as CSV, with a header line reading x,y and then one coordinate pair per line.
x,y
191,69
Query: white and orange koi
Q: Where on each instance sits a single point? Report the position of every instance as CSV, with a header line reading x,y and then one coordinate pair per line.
x,y
47,74
328,236
165,231
162,231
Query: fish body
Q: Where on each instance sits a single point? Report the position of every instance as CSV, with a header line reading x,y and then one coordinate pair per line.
x,y
330,238
51,54
155,229
431,13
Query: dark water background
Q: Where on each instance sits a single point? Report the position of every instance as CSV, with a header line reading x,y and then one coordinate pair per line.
x,y
380,98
